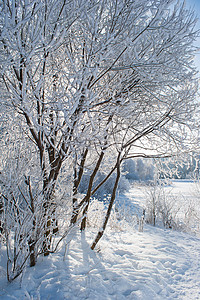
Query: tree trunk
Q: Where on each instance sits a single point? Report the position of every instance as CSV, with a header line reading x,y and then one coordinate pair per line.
x,y
47,238
32,253
77,180
87,198
101,232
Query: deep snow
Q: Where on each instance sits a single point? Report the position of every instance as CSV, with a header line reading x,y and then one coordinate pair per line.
x,y
127,264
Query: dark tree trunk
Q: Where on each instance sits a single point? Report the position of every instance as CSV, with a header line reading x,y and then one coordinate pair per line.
x,y
88,195
101,232
50,226
32,253
89,191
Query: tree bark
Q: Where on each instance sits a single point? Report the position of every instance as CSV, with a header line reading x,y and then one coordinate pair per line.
x,y
87,198
77,180
101,232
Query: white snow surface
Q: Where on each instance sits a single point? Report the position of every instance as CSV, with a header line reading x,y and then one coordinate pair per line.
x,y
154,264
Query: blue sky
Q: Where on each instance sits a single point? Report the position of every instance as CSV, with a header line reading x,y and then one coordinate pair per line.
x,y
195,4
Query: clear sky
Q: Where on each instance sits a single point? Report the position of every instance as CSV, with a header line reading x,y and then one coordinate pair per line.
x,y
195,4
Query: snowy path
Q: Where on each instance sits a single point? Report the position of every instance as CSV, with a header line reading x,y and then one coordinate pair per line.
x,y
155,264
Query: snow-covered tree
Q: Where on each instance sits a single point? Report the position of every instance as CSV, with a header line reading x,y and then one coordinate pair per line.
x,y
92,80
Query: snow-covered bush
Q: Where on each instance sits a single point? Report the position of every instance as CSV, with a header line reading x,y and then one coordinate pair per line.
x,y
192,212
121,216
95,213
170,209
161,207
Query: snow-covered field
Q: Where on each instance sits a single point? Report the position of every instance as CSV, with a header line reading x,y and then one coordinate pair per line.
x,y
154,264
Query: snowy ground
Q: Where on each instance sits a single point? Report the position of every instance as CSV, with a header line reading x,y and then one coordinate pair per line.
x,y
154,264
